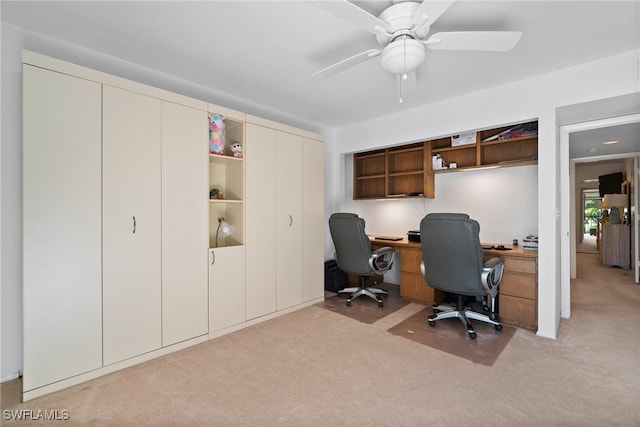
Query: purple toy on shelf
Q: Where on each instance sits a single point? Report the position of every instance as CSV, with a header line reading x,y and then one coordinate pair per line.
x,y
216,134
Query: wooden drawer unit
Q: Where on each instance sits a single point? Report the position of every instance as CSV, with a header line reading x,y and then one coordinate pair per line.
x,y
410,260
520,265
518,311
518,297
412,284
518,285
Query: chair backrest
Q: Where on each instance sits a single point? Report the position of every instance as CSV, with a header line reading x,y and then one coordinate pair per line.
x,y
452,253
352,245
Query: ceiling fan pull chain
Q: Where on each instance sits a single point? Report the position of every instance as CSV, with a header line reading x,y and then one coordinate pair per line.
x,y
404,69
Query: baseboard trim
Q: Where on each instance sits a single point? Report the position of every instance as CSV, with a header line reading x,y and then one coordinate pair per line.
x,y
87,376
10,377
264,318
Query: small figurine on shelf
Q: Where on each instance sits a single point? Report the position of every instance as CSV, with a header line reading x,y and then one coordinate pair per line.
x,y
236,149
216,194
216,134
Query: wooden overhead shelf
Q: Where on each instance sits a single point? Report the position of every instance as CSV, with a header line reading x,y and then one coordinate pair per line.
x,y
407,170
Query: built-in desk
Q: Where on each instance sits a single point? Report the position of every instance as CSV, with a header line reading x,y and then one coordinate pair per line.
x,y
518,290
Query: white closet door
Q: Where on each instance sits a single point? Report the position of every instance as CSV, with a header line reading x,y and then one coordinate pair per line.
x,y
289,220
185,221
261,164
131,224
226,287
61,226
313,222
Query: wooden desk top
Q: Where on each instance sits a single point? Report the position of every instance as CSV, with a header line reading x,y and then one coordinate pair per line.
x,y
515,250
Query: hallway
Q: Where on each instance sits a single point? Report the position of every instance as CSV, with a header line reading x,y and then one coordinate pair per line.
x,y
606,300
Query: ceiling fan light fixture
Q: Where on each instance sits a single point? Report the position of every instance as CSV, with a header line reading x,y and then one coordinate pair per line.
x,y
403,56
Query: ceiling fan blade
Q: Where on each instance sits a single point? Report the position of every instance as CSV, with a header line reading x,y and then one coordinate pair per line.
x,y
346,63
499,41
432,9
352,13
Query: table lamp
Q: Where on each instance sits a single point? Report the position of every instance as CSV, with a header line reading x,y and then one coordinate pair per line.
x,y
223,228
614,202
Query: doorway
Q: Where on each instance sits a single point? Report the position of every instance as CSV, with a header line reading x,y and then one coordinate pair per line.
x,y
568,197
591,214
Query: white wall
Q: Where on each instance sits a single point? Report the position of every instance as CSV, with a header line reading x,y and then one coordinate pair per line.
x,y
504,202
537,97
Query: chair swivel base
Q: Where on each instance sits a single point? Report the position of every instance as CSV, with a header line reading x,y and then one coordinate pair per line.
x,y
370,292
446,312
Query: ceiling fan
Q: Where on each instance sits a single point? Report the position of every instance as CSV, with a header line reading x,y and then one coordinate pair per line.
x,y
402,30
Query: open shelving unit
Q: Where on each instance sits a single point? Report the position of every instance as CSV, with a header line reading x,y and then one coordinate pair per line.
x,y
226,174
407,170
390,173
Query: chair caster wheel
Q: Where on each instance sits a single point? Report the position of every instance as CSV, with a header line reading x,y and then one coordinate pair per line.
x,y
380,303
348,303
498,327
432,323
472,335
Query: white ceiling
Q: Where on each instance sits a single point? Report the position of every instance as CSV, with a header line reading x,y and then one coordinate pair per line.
x,y
591,143
266,51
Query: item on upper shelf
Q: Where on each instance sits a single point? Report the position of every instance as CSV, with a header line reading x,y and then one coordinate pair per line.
x,y
526,129
438,162
216,194
236,149
530,242
216,134
463,139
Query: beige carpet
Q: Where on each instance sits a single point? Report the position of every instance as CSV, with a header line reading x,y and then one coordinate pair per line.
x,y
315,367
451,336
363,308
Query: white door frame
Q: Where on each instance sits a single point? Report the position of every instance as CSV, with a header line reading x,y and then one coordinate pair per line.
x,y
567,169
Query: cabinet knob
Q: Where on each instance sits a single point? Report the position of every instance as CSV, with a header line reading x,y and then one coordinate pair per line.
x,y
134,224
290,220
213,257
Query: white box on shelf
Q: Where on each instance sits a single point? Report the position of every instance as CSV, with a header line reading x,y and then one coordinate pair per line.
x,y
463,139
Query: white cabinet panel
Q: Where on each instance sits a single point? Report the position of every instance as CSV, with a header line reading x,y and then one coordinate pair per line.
x,y
185,162
61,226
313,219
131,224
261,149
226,287
289,220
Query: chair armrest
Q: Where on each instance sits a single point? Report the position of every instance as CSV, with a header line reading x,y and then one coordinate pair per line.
x,y
381,259
492,274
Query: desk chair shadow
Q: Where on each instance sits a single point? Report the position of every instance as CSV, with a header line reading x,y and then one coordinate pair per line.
x,y
354,255
453,262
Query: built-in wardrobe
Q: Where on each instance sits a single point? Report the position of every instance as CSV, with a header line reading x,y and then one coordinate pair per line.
x,y
122,259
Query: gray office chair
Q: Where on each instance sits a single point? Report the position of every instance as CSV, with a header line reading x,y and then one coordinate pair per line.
x,y
354,254
453,262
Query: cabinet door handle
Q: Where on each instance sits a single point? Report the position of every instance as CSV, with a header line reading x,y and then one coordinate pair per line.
x,y
134,225
213,257
290,220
